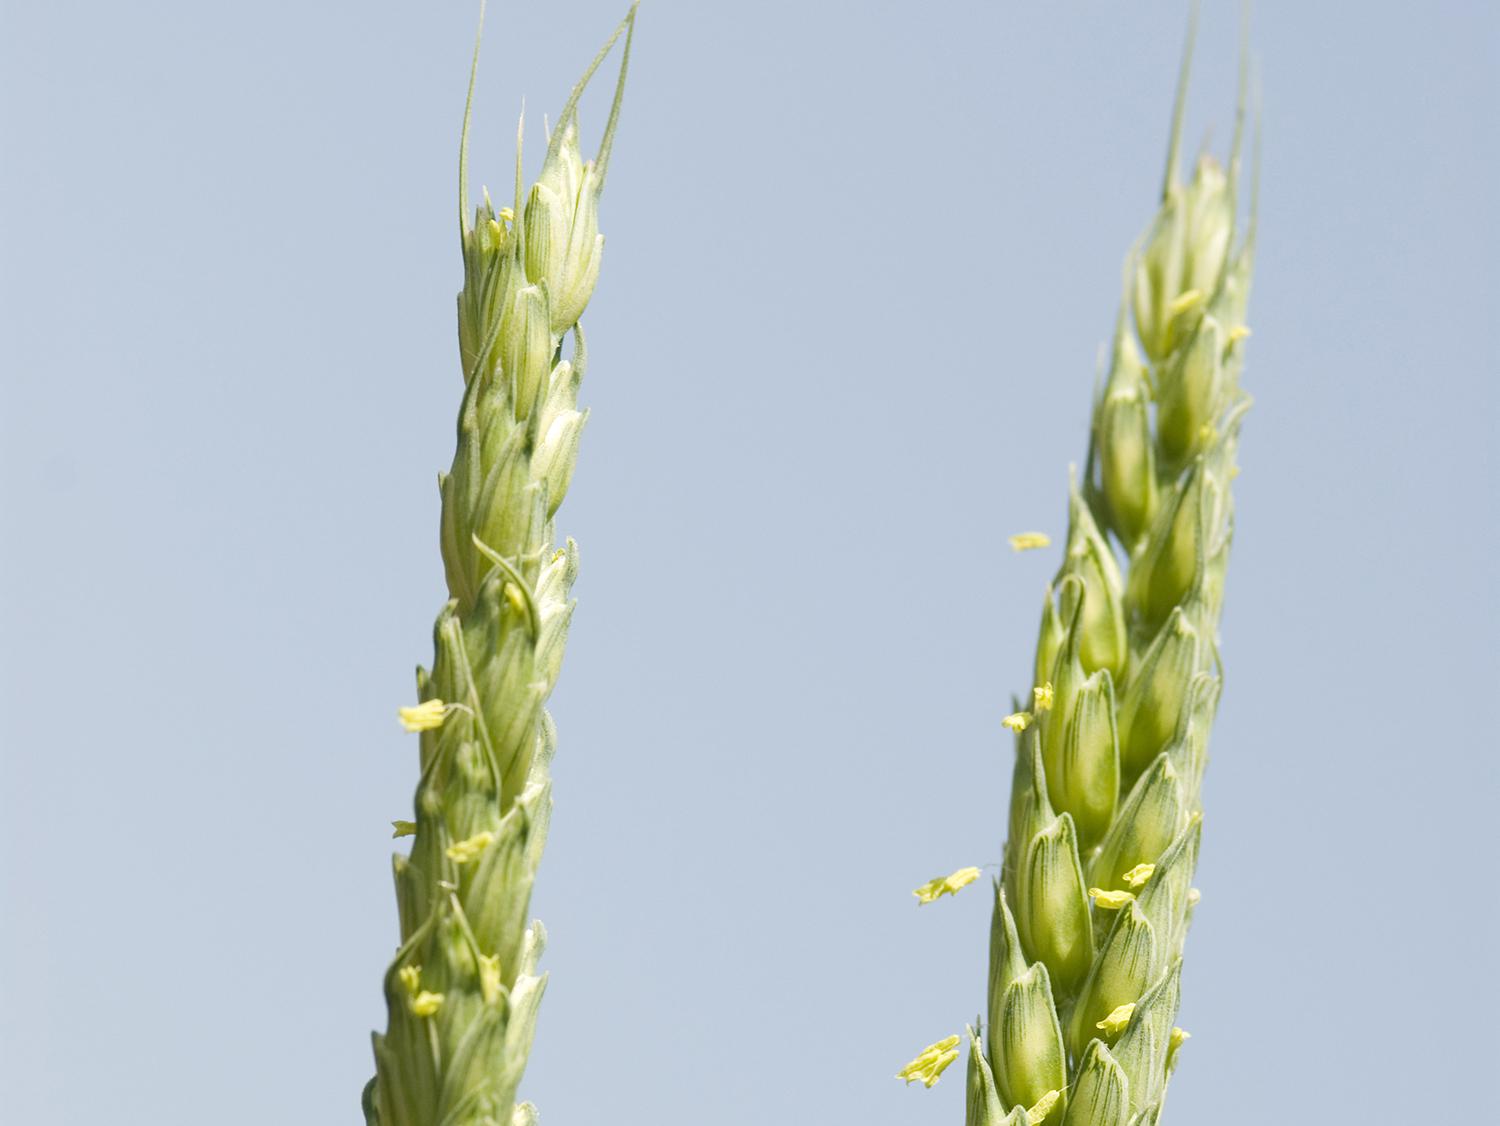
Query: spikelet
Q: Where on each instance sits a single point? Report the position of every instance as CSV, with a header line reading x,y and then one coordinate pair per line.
x,y
463,991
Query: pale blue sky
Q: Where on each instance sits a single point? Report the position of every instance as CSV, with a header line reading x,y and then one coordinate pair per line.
x,y
861,257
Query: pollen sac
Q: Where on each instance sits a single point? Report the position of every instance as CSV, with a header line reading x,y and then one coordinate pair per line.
x,y
1053,905
1158,692
1115,1023
931,1062
1028,1045
1180,1036
563,244
934,889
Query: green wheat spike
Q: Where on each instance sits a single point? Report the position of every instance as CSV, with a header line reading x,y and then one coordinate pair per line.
x,y
463,990
1096,894
1094,900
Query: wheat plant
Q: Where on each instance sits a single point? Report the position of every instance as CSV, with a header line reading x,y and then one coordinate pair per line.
x,y
463,990
1095,894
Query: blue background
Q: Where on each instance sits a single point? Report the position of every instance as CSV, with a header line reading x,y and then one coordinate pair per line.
x,y
861,258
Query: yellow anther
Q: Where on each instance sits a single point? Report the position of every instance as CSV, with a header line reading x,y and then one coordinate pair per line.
x,y
1139,874
508,214
932,1061
1042,1107
1238,332
411,978
1207,433
425,1003
514,597
1184,302
1178,1036
424,717
489,977
497,232
1017,721
946,885
1029,541
462,852
1115,1023
404,828
1193,896
1042,697
1110,900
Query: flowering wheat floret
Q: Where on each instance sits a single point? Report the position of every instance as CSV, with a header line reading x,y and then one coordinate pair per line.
x,y
463,990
